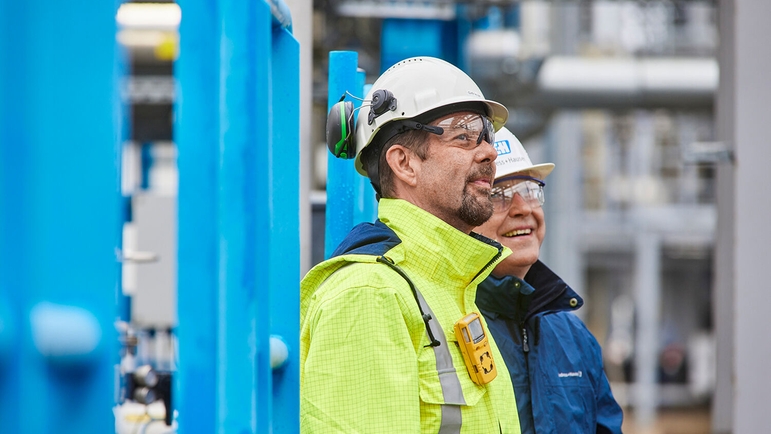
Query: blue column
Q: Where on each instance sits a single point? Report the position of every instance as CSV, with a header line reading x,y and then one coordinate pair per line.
x,y
340,173
283,267
196,133
59,216
244,129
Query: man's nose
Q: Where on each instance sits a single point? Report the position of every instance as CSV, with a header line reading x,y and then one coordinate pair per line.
x,y
487,151
519,206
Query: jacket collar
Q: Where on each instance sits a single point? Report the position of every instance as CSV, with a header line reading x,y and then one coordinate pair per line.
x,y
513,298
439,248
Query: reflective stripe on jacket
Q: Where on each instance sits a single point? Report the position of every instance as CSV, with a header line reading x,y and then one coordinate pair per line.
x,y
554,360
365,366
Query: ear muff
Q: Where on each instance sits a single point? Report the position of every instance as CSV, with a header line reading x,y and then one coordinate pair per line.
x,y
340,130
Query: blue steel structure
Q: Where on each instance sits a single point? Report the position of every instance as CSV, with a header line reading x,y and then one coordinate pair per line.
x,y
405,37
343,67
237,134
60,215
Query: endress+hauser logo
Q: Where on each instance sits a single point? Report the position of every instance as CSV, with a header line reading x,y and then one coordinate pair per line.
x,y
503,147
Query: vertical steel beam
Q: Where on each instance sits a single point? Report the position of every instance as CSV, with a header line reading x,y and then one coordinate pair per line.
x,y
723,288
283,265
196,133
562,249
647,276
340,173
748,117
59,215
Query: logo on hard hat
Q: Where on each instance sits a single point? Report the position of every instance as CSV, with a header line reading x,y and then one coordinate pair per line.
x,y
503,147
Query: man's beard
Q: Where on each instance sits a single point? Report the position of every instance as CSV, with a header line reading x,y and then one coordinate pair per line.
x,y
473,211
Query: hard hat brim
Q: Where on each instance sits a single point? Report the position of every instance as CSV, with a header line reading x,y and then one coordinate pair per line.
x,y
540,171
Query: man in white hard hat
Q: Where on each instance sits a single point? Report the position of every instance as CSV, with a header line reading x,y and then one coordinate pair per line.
x,y
379,351
554,361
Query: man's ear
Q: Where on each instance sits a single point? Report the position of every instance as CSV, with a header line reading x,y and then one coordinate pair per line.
x,y
403,164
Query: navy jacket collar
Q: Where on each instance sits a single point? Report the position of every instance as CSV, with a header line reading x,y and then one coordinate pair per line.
x,y
512,298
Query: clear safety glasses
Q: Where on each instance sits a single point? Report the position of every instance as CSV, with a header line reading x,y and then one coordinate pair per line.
x,y
465,131
528,188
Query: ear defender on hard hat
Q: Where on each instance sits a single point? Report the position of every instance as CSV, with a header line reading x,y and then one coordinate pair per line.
x,y
382,101
340,128
340,122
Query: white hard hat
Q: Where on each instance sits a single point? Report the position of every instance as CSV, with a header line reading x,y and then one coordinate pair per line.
x,y
418,88
513,159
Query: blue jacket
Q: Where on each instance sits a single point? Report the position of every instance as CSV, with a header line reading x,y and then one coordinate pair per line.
x,y
554,361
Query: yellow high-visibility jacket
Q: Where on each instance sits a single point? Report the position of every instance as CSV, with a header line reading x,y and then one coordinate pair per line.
x,y
365,366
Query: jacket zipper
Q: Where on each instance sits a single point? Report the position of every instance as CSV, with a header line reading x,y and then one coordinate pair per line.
x,y
495,258
525,346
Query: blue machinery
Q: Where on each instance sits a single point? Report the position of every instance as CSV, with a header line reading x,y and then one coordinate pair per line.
x,y
61,128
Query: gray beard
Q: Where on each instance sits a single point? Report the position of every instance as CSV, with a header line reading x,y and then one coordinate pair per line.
x,y
474,212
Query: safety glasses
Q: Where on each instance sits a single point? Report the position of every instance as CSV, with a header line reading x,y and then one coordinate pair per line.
x,y
528,188
465,131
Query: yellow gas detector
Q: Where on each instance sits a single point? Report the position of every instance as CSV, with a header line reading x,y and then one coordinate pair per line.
x,y
474,345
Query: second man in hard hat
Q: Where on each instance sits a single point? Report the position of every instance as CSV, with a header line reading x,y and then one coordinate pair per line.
x,y
554,360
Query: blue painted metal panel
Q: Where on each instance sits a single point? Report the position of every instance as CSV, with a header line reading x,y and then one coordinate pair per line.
x,y
402,38
340,173
284,265
60,208
237,114
262,188
196,133
13,190
243,126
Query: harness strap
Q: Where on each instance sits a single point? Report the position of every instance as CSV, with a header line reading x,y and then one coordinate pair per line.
x,y
448,376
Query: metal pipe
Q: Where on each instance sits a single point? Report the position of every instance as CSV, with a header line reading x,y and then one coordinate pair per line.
x,y
578,81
